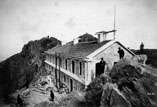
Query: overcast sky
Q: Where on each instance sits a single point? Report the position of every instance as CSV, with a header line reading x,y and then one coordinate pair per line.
x,y
25,20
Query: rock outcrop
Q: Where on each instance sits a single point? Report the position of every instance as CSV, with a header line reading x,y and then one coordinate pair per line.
x,y
20,69
131,84
151,54
140,58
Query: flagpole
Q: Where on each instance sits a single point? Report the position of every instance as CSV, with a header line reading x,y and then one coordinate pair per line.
x,y
114,22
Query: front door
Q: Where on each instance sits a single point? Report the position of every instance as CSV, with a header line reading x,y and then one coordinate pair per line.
x,y
99,69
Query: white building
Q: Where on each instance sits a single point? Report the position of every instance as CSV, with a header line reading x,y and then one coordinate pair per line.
x,y
75,64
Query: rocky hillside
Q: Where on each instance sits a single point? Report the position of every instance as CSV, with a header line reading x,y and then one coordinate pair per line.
x,y
18,70
129,84
151,54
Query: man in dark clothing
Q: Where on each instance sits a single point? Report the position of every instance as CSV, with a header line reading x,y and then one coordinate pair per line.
x,y
141,47
121,53
52,95
27,83
19,101
102,65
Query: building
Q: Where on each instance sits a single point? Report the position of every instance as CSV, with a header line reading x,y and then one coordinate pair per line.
x,y
74,64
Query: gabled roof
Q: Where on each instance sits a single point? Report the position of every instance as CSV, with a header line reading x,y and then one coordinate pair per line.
x,y
83,50
80,50
105,46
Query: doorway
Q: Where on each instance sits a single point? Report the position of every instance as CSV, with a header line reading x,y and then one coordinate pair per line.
x,y
71,85
73,67
99,69
56,75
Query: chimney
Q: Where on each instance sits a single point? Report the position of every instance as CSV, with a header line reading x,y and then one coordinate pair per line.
x,y
76,40
101,37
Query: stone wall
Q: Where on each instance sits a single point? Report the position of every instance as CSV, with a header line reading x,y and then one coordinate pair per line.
x,y
110,56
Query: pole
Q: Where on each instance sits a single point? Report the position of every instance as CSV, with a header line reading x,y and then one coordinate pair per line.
x,y
59,69
56,69
114,22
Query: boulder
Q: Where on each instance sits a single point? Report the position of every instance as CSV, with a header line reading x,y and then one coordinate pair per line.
x,y
112,97
140,58
95,89
131,84
137,82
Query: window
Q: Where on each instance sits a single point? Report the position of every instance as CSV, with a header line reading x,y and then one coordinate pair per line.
x,y
66,64
61,62
73,67
78,86
64,78
49,67
46,65
53,59
47,57
50,58
80,68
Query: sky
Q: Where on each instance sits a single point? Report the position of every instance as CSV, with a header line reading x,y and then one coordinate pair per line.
x,y
25,20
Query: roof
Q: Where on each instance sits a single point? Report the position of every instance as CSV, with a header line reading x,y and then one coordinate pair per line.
x,y
107,45
79,50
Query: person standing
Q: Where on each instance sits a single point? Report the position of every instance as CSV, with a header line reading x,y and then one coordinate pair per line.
x,y
19,101
141,47
52,95
27,83
102,65
121,53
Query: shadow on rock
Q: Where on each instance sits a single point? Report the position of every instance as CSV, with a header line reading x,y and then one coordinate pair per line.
x,y
130,84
